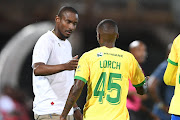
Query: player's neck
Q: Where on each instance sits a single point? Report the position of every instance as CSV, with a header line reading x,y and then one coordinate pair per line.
x,y
58,34
108,45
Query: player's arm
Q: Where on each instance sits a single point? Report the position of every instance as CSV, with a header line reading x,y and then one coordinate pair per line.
x,y
74,94
171,70
152,86
77,112
170,74
142,88
136,76
81,77
41,69
154,83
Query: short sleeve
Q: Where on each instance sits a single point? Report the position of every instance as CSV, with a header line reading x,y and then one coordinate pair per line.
x,y
82,71
136,74
170,75
42,51
173,56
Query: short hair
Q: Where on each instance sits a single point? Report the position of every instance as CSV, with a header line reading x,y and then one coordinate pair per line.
x,y
107,25
66,8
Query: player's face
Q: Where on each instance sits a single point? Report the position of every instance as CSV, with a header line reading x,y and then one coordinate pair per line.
x,y
140,53
66,24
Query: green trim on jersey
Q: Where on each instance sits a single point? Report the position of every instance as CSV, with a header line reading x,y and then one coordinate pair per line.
x,y
80,78
138,85
172,62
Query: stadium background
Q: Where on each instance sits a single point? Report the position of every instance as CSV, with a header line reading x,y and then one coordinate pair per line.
x,y
155,22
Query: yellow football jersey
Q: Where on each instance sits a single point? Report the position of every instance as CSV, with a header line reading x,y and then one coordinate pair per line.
x,y
174,60
107,71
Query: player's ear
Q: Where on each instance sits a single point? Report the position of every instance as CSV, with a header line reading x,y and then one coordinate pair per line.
x,y
57,19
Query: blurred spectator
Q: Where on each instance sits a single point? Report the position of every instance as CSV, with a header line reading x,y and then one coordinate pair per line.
x,y
12,105
134,101
161,93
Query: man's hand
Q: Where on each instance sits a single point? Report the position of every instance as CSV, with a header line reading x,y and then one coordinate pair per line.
x,y
72,64
166,109
163,107
154,117
62,118
78,115
74,94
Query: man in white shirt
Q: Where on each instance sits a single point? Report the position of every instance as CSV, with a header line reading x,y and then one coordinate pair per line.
x,y
53,68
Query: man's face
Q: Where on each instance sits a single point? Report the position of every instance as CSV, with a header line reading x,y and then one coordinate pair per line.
x,y
140,53
66,24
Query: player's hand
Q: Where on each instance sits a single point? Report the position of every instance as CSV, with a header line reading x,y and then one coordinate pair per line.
x,y
72,64
154,117
165,108
62,118
78,115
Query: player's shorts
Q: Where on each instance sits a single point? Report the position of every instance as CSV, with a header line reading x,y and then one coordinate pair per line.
x,y
175,117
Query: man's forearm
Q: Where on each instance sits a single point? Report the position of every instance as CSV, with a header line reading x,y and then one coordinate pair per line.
x,y
153,85
40,69
73,96
43,70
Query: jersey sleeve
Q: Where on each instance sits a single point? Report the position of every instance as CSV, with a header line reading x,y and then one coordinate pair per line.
x,y
82,71
170,75
136,74
173,56
42,51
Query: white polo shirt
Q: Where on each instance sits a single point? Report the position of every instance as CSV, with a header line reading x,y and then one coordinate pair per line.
x,y
51,91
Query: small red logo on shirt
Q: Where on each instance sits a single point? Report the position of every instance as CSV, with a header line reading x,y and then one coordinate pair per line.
x,y
52,103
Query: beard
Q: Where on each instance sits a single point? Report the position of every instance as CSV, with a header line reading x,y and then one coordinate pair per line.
x,y
63,37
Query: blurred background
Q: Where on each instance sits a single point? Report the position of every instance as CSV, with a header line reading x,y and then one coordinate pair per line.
x,y
22,22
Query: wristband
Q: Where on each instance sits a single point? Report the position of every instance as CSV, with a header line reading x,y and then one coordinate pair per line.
x,y
76,108
145,85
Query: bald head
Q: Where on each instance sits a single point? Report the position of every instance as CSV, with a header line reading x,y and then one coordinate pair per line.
x,y
138,49
135,44
107,32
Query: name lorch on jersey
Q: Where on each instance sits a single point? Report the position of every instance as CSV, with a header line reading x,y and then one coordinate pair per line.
x,y
110,64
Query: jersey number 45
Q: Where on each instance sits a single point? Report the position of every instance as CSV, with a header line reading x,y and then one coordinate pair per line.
x,y
112,87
